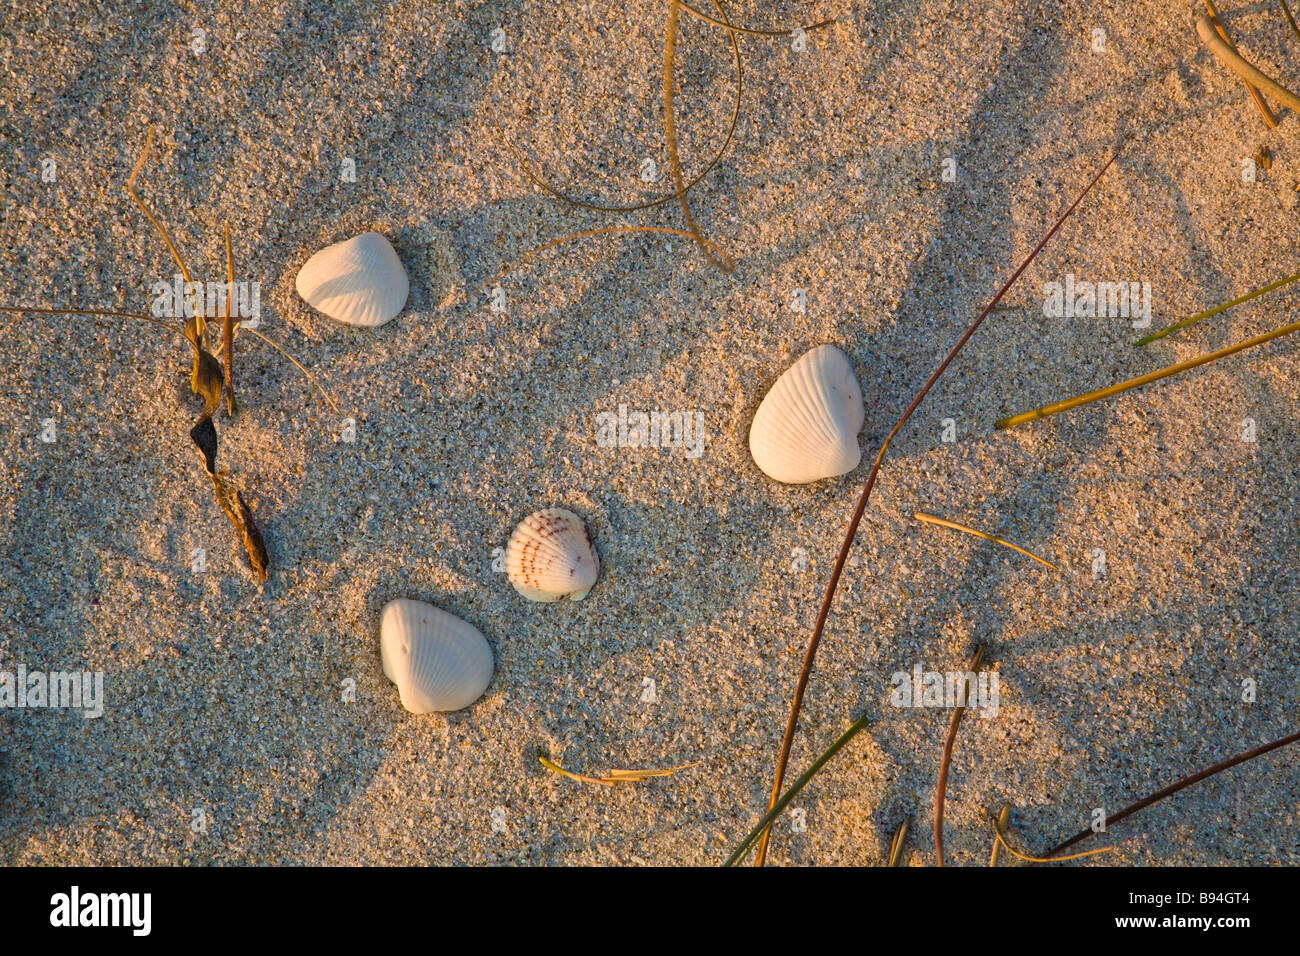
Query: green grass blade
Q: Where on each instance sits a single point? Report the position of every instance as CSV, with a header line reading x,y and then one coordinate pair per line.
x,y
777,808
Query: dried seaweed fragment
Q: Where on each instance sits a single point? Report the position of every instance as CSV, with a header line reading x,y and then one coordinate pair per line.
x,y
204,436
209,382
241,516
206,378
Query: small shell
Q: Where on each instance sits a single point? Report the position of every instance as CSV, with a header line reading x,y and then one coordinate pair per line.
x,y
437,661
359,281
806,428
551,556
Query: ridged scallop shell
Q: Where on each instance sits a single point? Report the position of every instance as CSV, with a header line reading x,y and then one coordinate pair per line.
x,y
437,661
806,427
359,281
551,556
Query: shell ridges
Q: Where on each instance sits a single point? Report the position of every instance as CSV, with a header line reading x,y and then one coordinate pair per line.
x,y
806,428
359,281
438,661
552,556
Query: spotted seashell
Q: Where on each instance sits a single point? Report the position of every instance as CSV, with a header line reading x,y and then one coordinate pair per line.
x,y
437,661
551,556
806,427
359,281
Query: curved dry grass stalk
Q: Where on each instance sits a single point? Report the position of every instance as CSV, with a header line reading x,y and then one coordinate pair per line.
x,y
941,788
1173,788
1205,29
162,230
1000,825
101,313
1120,387
712,251
944,522
1255,94
753,31
228,329
603,230
285,352
898,844
726,143
722,260
833,585
1001,841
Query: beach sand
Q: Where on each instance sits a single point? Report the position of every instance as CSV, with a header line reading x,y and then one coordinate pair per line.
x,y
253,724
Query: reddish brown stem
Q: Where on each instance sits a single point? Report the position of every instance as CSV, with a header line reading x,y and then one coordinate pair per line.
x,y
941,788
1173,788
838,569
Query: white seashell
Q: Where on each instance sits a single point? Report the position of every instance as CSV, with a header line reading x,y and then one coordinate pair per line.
x,y
437,661
551,556
806,427
359,281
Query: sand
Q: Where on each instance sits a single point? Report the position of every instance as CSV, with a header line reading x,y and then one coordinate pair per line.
x,y
249,724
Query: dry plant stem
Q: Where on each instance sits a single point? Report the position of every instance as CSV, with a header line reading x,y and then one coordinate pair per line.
x,y
1000,826
723,261
1233,61
171,246
726,143
778,808
228,327
1175,787
614,777
1269,118
1120,387
941,788
102,313
604,230
228,330
751,30
898,844
1000,840
838,569
1192,320
639,775
944,522
554,767
1290,19
311,378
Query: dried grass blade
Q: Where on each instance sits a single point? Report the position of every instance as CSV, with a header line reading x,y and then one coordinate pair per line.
x,y
723,261
1120,387
1176,786
941,788
1234,61
931,519
1192,320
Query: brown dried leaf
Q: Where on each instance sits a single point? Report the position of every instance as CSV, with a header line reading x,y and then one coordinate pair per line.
x,y
241,516
206,378
204,436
